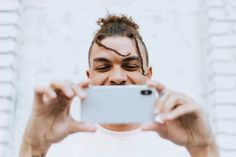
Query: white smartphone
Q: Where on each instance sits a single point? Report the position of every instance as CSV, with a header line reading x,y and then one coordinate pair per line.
x,y
118,104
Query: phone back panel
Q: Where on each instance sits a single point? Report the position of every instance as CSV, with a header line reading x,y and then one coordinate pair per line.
x,y
118,104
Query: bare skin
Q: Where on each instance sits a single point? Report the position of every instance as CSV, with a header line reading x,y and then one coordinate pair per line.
x,y
50,121
184,120
184,124
108,68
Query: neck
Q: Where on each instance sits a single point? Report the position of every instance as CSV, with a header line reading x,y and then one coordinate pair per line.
x,y
120,127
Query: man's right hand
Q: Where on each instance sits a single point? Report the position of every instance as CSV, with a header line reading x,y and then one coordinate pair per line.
x,y
50,120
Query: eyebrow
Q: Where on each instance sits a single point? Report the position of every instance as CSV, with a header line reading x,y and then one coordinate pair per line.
x,y
131,58
101,59
126,59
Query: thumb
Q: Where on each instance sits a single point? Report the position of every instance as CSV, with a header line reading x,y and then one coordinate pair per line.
x,y
76,126
161,129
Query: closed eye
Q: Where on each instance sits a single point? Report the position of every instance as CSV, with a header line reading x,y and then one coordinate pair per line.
x,y
131,67
103,68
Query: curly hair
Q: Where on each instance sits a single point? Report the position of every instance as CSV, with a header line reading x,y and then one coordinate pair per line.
x,y
122,26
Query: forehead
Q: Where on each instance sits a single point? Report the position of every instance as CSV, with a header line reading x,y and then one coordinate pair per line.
x,y
123,45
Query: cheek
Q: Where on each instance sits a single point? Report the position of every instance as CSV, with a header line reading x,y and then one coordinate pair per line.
x,y
137,78
98,79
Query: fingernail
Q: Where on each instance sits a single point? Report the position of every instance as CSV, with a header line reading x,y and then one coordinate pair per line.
x,y
159,119
82,95
54,95
70,93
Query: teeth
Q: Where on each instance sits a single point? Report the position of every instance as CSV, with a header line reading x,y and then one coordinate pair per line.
x,y
158,119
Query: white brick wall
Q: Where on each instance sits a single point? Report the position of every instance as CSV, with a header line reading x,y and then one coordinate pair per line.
x,y
9,15
222,52
53,38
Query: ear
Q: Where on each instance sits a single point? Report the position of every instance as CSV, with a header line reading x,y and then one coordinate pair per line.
x,y
87,73
149,72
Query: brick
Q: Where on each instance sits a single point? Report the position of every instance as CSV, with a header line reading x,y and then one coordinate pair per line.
x,y
234,27
220,27
5,120
226,12
2,149
224,153
7,45
6,105
6,89
225,127
6,75
230,12
7,31
7,5
224,67
216,13
223,55
8,17
227,142
228,97
225,111
223,40
218,3
4,135
6,60
224,82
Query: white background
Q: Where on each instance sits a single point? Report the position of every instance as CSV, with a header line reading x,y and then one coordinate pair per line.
x,y
191,47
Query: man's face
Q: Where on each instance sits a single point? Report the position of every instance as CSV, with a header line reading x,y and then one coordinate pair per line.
x,y
109,68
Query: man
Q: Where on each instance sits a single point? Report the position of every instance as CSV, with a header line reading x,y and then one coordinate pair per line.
x,y
118,56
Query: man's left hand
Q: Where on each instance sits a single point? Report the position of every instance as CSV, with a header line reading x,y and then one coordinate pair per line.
x,y
184,122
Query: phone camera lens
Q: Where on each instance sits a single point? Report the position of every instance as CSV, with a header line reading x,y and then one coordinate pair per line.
x,y
146,92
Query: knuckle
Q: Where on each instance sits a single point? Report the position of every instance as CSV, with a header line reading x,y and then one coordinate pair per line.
x,y
53,82
39,89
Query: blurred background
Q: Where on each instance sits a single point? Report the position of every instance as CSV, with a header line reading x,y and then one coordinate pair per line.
x,y
191,43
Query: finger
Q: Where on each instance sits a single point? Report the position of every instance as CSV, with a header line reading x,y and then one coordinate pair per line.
x,y
39,91
79,92
158,107
50,93
76,126
85,84
161,129
162,91
64,87
46,99
158,112
78,89
158,86
170,103
179,112
160,103
150,126
158,119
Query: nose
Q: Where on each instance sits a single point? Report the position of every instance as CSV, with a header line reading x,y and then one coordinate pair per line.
x,y
118,77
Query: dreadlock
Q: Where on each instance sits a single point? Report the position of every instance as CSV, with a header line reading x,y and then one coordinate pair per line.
x,y
122,25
